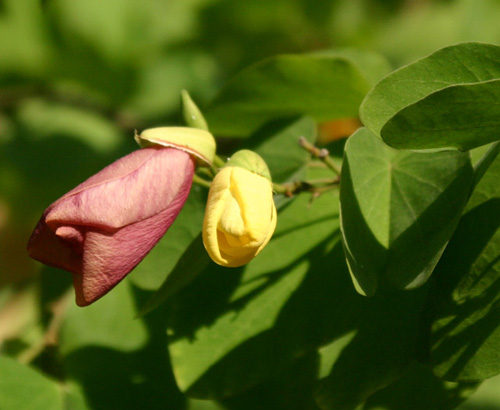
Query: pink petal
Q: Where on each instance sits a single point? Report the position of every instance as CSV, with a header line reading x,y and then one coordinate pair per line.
x,y
104,227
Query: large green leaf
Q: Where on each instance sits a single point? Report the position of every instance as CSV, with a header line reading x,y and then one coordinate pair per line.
x,y
116,360
390,202
465,340
322,86
448,99
375,353
228,330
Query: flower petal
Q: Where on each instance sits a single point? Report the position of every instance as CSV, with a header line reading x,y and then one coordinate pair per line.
x,y
131,189
104,227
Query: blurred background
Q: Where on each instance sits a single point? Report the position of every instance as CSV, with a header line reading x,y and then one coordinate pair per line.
x,y
77,77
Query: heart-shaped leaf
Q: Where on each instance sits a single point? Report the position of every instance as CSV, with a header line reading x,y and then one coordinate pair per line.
x,y
390,204
448,99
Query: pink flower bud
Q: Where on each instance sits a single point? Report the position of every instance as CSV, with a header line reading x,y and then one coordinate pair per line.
x,y
104,227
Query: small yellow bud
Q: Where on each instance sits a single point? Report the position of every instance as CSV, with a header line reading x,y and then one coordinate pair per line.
x,y
240,216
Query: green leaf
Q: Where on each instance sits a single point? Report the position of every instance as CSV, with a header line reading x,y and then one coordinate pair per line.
x,y
323,87
390,202
433,393
109,322
465,340
376,352
115,359
227,322
373,66
277,143
29,56
194,260
448,99
45,119
22,387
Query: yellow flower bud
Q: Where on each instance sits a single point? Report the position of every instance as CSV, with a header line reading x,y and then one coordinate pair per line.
x,y
240,216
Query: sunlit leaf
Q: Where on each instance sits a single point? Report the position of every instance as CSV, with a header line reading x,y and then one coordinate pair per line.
x,y
448,99
22,387
227,320
109,323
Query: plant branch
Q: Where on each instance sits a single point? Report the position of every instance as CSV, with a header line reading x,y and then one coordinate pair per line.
x,y
316,187
321,153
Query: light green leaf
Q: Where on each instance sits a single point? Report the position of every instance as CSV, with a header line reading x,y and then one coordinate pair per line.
x,y
390,202
22,387
46,120
465,340
374,66
448,99
321,86
109,322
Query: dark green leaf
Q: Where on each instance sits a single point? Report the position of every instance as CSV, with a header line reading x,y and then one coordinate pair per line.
x,y
278,144
116,360
226,330
465,341
323,87
419,389
377,352
448,99
191,263
390,202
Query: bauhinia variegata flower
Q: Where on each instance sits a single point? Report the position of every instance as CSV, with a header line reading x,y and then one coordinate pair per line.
x,y
103,228
240,216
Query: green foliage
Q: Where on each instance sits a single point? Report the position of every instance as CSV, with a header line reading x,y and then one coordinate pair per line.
x,y
22,387
380,287
447,99
391,201
263,92
465,329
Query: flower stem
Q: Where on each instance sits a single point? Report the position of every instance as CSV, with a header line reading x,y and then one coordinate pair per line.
x,y
219,162
200,181
316,187
321,153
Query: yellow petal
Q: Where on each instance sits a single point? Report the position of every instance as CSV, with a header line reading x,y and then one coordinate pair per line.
x,y
240,217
